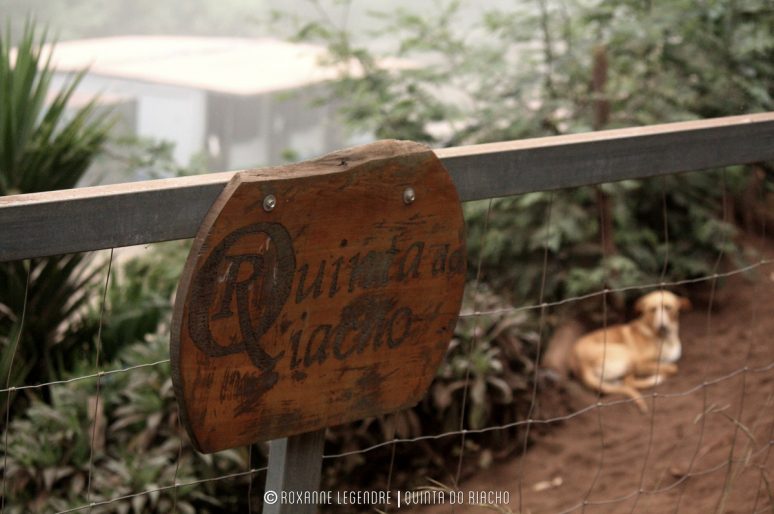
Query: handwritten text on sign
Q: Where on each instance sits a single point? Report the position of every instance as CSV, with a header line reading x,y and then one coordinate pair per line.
x,y
304,317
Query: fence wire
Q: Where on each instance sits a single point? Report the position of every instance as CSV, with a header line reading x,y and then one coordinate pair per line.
x,y
598,407
472,314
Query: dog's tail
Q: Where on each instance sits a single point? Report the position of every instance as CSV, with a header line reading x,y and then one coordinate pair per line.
x,y
593,381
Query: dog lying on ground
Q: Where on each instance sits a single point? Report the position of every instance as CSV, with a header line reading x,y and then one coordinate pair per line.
x,y
636,355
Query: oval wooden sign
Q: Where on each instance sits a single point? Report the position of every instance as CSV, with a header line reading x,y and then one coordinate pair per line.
x,y
318,293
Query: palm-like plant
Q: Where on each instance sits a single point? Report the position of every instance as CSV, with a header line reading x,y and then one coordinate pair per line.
x,y
43,146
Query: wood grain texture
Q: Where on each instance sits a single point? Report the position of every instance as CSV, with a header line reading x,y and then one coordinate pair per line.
x,y
295,465
336,305
55,222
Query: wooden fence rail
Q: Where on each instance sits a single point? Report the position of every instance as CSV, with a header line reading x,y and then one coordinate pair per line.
x,y
93,218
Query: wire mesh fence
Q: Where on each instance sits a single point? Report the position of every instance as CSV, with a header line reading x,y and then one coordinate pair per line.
x,y
704,443
756,456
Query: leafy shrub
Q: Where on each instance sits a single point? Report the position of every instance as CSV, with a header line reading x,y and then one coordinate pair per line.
x,y
140,295
567,67
138,445
647,247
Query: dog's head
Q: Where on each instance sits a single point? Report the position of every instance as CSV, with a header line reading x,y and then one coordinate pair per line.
x,y
660,310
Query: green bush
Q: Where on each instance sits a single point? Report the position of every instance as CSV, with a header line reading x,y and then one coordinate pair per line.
x,y
140,294
567,67
138,445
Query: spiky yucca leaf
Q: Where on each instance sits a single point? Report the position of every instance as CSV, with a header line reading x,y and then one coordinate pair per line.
x,y
43,146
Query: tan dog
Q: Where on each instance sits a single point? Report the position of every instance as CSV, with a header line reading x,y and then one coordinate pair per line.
x,y
636,355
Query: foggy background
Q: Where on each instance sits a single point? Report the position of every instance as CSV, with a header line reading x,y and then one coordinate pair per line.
x,y
218,82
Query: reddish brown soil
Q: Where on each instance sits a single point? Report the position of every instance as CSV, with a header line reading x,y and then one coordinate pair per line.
x,y
679,458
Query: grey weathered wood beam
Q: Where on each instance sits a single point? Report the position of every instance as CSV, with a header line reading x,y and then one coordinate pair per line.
x,y
40,224
295,465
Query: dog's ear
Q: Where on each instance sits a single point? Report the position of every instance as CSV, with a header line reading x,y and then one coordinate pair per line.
x,y
685,304
639,305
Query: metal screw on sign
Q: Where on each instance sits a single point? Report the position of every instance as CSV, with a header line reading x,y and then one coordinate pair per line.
x,y
269,203
409,195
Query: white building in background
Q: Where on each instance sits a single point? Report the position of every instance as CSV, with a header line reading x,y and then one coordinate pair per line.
x,y
238,102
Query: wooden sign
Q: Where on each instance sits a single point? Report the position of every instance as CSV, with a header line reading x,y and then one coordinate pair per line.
x,y
318,293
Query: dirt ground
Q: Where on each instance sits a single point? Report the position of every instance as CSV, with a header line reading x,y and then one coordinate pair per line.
x,y
676,455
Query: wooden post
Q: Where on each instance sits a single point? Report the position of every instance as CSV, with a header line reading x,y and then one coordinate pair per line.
x,y
295,464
